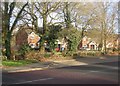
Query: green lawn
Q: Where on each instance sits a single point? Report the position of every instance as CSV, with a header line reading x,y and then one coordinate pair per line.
x,y
17,63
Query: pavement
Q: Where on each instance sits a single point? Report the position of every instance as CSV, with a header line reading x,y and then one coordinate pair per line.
x,y
58,64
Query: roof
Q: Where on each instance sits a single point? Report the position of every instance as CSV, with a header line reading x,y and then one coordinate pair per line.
x,y
25,28
92,42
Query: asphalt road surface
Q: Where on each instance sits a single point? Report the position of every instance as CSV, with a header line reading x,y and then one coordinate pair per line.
x,y
98,73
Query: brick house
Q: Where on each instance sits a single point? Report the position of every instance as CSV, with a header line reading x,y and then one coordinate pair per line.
x,y
20,36
33,40
62,44
87,44
25,35
115,43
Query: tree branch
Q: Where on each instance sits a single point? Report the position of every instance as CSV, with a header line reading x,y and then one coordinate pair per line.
x,y
15,22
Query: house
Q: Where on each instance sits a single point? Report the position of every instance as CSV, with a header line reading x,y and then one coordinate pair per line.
x,y
115,43
87,44
24,35
61,44
109,45
33,40
19,38
92,45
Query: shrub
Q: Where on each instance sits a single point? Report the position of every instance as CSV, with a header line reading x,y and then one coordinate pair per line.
x,y
89,53
69,53
47,55
20,54
24,49
35,55
4,58
73,37
75,55
114,49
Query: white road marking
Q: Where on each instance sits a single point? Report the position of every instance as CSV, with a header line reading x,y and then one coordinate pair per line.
x,y
44,79
26,70
104,66
94,71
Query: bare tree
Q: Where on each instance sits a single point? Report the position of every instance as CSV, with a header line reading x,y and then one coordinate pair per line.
x,y
107,20
84,16
6,24
44,9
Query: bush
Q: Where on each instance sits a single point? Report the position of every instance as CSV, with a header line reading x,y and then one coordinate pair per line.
x,y
69,53
75,55
73,37
34,55
4,58
24,49
37,55
114,49
47,55
20,54
89,53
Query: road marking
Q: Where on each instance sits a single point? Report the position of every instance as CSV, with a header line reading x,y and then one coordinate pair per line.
x,y
103,58
44,79
26,70
104,66
94,71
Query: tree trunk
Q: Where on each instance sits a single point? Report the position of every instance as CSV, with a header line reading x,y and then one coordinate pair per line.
x,y
105,49
67,15
8,9
44,24
7,46
36,25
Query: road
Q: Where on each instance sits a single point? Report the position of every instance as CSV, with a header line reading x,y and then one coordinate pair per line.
x,y
97,73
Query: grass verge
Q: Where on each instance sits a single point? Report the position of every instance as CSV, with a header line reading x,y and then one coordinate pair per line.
x,y
17,63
